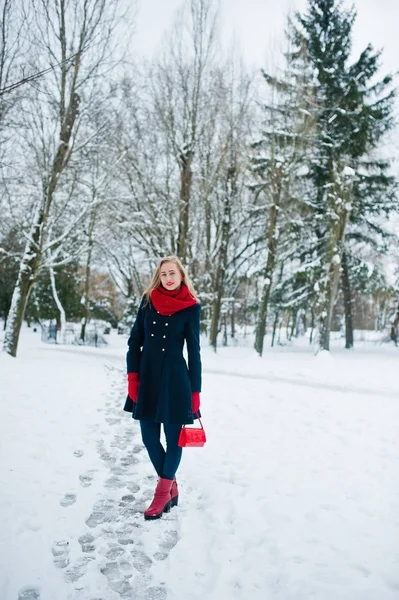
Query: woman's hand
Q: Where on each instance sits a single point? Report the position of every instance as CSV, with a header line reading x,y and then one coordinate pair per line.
x,y
133,386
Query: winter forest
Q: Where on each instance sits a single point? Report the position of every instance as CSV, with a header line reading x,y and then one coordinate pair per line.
x,y
277,190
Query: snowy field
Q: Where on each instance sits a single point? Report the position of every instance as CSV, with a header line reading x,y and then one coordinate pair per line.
x,y
294,497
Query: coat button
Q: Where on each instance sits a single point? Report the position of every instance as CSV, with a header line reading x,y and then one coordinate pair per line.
x,y
164,336
152,335
163,349
166,324
154,322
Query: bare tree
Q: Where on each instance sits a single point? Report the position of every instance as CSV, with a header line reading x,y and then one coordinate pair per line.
x,y
83,29
229,213
180,80
14,27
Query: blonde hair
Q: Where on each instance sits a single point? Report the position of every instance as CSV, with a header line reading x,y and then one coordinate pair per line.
x,y
156,278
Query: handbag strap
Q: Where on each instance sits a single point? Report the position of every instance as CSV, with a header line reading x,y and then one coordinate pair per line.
x,y
199,419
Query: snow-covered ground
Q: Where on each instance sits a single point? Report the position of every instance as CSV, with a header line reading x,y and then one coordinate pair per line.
x,y
294,496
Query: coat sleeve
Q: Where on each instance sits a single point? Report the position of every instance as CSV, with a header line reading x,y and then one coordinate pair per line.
x,y
193,348
136,341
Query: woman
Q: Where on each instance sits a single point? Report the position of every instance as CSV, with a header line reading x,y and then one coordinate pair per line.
x,y
161,388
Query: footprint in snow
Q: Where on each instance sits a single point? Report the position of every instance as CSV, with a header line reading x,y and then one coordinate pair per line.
x,y
113,420
114,552
155,593
117,470
129,460
126,541
127,528
68,500
167,543
106,456
133,487
116,580
29,594
126,568
114,483
130,509
127,534
86,542
78,453
76,571
141,561
103,512
126,499
118,442
60,552
86,479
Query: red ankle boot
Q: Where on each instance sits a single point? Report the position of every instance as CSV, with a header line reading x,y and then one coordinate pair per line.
x,y
174,492
162,500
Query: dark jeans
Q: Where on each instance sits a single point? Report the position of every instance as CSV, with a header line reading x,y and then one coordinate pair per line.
x,y
165,462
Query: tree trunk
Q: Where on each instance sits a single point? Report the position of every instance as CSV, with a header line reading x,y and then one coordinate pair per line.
x,y
312,324
287,327
274,328
86,293
333,262
186,177
20,297
262,316
304,321
215,318
26,279
394,328
225,329
268,275
331,288
59,306
294,325
233,320
348,302
230,192
279,331
86,309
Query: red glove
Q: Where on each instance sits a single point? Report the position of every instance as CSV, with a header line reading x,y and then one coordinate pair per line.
x,y
195,397
133,386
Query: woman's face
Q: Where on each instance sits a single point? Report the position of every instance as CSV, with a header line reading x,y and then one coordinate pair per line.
x,y
170,276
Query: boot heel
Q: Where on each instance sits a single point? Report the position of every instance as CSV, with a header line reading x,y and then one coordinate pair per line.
x,y
174,501
167,507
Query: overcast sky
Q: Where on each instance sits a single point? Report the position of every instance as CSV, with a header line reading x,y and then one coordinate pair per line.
x,y
256,24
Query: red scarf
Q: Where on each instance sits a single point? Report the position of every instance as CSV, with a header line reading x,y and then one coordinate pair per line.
x,y
168,302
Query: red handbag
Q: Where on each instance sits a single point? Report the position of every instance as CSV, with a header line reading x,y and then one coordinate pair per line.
x,y
192,437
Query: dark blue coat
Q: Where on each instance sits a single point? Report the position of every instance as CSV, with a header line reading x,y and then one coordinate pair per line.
x,y
156,353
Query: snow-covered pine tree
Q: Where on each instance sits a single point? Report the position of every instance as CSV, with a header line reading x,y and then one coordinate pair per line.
x,y
374,201
278,165
352,113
